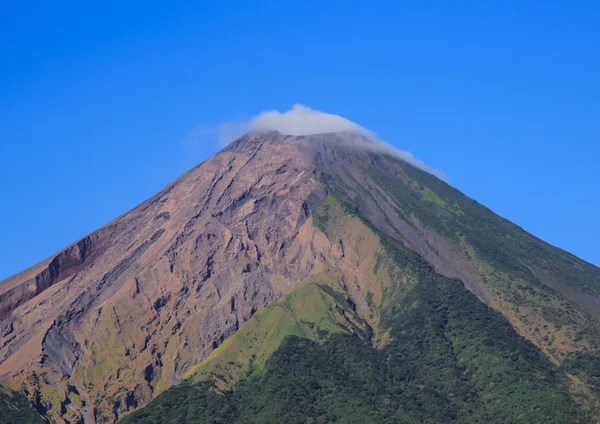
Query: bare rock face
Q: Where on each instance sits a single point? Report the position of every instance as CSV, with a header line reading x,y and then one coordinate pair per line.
x,y
119,316
102,327
24,286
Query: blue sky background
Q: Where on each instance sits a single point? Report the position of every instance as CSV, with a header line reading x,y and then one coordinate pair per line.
x,y
95,101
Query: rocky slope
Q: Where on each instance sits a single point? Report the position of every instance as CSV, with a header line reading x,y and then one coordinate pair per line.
x,y
101,328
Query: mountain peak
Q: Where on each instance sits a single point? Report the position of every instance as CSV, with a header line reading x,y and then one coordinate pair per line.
x,y
345,137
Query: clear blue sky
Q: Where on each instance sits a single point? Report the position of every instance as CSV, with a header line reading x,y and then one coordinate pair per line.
x,y
504,96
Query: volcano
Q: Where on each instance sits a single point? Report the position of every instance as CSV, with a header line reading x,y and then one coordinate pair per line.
x,y
316,278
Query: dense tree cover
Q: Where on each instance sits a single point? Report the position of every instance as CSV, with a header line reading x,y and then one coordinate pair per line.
x,y
15,409
586,367
469,360
450,358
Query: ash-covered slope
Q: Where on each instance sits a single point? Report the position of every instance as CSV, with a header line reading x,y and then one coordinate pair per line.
x,y
101,328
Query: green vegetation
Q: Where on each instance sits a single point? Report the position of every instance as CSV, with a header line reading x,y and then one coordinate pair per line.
x,y
548,294
313,311
500,242
430,196
586,367
451,359
15,409
448,358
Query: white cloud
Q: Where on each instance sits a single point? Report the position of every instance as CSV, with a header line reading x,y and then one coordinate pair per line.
x,y
301,120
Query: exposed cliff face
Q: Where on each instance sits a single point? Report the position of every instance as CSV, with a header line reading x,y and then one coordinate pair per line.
x,y
22,287
104,326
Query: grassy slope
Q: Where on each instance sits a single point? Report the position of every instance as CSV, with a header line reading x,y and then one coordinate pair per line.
x,y
313,311
448,357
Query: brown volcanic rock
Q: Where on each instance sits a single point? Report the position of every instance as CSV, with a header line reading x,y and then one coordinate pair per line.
x,y
123,313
